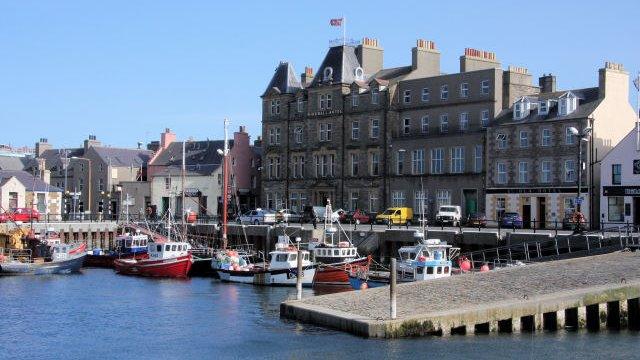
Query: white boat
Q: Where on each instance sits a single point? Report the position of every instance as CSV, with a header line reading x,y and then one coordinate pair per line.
x,y
65,259
282,269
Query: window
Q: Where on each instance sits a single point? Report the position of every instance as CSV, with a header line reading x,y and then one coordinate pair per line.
x,y
464,121
375,128
375,164
502,141
325,132
616,174
399,162
444,92
355,159
327,74
464,90
355,130
359,73
546,137
523,172
517,111
375,96
297,135
425,95
484,87
501,169
300,105
167,183
329,101
424,124
275,107
322,101
325,165
407,96
543,107
524,138
616,208
420,202
355,100
100,184
443,197
274,136
398,199
298,166
545,171
501,205
478,157
570,170
457,159
353,200
444,123
437,161
484,118
417,162
406,126
568,136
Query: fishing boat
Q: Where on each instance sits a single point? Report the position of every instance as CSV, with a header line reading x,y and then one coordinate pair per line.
x,y
128,246
65,259
429,259
170,259
281,270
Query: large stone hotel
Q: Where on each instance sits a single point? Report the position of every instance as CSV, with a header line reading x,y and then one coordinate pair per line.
x,y
370,137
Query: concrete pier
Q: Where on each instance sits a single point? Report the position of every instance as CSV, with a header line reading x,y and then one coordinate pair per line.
x,y
598,292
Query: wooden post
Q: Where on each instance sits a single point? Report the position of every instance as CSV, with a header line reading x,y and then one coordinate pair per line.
x,y
392,288
299,275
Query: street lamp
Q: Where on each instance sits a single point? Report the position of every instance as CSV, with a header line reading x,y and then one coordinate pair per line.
x,y
89,182
582,136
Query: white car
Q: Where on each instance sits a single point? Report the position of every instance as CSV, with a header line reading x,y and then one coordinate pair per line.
x,y
288,216
257,217
449,214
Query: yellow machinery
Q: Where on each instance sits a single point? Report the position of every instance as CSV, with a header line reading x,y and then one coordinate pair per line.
x,y
12,238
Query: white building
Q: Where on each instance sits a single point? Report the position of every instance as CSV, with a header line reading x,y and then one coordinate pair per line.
x,y
620,180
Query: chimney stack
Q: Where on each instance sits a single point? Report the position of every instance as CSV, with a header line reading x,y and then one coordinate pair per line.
x,y
613,81
474,59
166,138
370,55
41,146
91,142
307,76
547,83
425,58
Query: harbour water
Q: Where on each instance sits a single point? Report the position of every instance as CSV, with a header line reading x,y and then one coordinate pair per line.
x,y
98,315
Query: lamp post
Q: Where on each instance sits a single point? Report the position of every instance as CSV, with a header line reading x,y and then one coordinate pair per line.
x,y
89,182
581,136
225,183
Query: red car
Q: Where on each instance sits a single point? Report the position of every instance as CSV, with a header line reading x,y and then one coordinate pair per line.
x,y
20,214
360,217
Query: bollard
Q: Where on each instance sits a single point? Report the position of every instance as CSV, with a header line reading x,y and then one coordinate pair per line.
x,y
299,276
556,226
534,225
392,289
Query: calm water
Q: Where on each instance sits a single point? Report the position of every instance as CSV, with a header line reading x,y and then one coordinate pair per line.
x,y
98,315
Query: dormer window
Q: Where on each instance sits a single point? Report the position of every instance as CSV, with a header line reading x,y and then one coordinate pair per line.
x,y
327,74
375,96
521,108
543,108
567,104
359,73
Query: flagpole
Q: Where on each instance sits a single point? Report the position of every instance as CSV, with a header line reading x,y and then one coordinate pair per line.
x,y
637,84
344,30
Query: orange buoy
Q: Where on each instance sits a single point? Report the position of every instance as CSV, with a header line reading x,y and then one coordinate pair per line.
x,y
464,264
484,268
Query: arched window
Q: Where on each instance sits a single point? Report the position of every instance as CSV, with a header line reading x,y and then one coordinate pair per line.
x,y
328,73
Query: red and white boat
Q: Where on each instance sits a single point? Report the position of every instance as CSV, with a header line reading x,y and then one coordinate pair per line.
x,y
169,259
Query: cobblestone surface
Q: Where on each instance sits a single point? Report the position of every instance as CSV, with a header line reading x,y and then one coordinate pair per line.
x,y
461,291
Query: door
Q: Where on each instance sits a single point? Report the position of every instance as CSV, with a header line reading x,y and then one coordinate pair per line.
x,y
636,211
526,216
542,211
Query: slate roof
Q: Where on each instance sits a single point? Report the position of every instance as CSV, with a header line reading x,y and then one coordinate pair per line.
x,y
390,73
123,157
201,158
30,182
284,80
343,60
53,157
14,162
588,101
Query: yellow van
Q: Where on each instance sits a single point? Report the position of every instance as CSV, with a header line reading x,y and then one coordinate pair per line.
x,y
396,216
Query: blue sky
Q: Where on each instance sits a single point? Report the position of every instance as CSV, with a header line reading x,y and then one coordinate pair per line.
x,y
125,70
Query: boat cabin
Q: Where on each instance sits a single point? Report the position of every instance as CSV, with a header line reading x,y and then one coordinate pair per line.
x,y
167,250
286,259
427,260
329,254
132,244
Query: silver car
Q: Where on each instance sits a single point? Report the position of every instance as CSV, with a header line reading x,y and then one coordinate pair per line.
x,y
257,217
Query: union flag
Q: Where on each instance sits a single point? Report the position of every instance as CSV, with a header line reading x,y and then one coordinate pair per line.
x,y
336,22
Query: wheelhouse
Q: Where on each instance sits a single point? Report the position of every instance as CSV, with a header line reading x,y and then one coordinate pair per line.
x,y
158,251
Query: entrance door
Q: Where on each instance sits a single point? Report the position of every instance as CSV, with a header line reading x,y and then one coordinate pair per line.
x,y
542,211
636,211
526,216
470,202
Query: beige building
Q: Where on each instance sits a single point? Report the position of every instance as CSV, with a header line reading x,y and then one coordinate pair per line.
x,y
20,189
533,152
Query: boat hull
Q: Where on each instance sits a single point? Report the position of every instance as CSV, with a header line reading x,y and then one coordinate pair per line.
x,y
202,267
337,274
359,283
172,268
54,267
106,261
279,277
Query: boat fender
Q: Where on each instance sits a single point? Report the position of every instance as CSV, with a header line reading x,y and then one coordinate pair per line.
x,y
422,258
364,286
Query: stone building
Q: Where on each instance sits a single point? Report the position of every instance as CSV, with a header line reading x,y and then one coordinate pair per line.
x,y
21,189
533,153
369,137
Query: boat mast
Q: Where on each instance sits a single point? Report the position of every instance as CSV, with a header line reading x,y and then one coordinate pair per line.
x,y
225,184
183,170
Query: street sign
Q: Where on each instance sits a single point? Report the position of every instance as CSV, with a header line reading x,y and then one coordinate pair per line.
x,y
579,201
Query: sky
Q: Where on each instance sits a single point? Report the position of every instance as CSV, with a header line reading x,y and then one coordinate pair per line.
x,y
126,70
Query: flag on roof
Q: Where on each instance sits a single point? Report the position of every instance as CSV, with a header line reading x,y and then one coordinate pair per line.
x,y
336,22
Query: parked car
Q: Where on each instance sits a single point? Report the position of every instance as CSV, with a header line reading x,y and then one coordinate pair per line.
x,y
511,220
287,215
396,216
339,215
20,214
571,219
477,220
359,217
449,214
257,217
